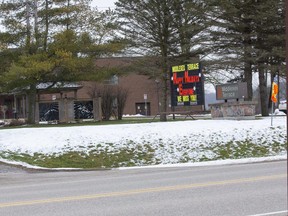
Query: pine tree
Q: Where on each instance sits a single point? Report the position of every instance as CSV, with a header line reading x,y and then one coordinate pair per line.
x,y
168,30
191,21
249,37
147,24
49,44
232,35
269,45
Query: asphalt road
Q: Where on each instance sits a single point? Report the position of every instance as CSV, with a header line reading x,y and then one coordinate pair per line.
x,y
236,190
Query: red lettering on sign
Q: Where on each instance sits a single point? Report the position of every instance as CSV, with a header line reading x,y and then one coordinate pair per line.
x,y
180,87
177,80
184,92
190,79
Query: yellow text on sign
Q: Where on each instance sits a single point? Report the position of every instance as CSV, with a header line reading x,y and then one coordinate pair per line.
x,y
187,98
179,68
194,66
193,98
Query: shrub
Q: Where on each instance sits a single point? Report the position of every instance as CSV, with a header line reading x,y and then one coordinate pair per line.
x,y
17,122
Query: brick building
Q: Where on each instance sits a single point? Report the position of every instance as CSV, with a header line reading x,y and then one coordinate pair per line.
x,y
72,101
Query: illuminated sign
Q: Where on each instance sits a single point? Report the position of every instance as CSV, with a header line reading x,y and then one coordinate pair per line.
x,y
187,85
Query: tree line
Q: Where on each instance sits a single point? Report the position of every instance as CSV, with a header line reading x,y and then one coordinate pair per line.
x,y
59,40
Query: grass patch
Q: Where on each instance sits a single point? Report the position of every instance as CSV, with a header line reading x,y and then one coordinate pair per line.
x,y
141,155
93,159
129,120
107,155
247,149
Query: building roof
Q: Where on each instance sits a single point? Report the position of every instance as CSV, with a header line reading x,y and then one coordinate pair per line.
x,y
58,85
48,87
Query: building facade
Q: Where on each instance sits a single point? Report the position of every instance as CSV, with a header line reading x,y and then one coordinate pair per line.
x,y
76,101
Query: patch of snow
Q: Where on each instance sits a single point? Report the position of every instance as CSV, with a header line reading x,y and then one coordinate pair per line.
x,y
212,163
22,164
137,115
278,112
171,141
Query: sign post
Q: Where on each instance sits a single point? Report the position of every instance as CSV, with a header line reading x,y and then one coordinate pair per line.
x,y
145,99
274,96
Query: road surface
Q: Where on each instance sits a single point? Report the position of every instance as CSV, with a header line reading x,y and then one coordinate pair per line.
x,y
256,189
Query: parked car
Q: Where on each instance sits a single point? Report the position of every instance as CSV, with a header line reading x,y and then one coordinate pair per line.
x,y
283,106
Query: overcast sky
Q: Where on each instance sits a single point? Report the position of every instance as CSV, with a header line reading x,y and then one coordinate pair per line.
x,y
103,4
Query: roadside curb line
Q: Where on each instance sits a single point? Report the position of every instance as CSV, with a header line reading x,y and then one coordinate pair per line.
x,y
31,168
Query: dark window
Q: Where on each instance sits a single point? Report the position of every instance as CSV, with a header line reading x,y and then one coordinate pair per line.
x,y
48,111
142,108
83,109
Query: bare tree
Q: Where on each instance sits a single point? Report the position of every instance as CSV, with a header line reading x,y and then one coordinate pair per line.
x,y
106,92
121,96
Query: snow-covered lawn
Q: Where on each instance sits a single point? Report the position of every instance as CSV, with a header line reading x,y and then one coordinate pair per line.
x,y
166,142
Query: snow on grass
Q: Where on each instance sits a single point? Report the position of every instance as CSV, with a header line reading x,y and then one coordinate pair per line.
x,y
169,142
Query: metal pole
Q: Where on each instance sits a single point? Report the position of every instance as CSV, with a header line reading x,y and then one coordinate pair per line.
x,y
145,100
145,107
272,113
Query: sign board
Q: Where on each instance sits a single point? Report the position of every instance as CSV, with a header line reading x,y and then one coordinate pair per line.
x,y
187,85
231,91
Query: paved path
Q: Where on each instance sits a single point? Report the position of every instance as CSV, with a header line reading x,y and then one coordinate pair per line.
x,y
4,168
238,190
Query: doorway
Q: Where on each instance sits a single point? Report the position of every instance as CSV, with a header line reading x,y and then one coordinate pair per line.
x,y
142,110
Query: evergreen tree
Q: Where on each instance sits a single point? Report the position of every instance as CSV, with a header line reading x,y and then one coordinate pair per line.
x,y
168,30
269,45
49,45
232,35
147,24
191,21
249,36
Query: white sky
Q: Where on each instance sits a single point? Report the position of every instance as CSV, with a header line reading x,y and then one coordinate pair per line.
x,y
103,4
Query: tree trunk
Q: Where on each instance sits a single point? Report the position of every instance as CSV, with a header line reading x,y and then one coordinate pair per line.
x,y
263,90
247,58
248,80
45,36
31,104
122,95
165,89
